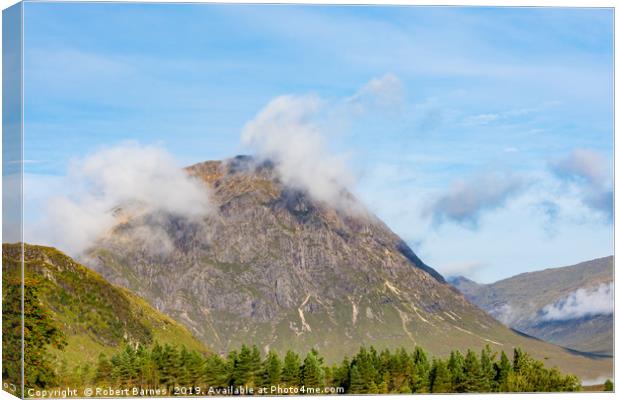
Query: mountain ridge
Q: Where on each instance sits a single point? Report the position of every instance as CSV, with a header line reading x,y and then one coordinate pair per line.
x,y
520,301
276,267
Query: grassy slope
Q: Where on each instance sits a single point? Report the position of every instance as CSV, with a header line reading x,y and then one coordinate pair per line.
x,y
94,315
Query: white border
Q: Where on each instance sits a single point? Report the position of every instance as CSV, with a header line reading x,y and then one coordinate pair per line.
x,y
506,3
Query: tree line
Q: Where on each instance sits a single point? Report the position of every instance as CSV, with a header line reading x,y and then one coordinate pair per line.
x,y
168,366
367,372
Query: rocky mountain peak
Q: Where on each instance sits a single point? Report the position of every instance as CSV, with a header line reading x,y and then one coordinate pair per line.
x,y
272,266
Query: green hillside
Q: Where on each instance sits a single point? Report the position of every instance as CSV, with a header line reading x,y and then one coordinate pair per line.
x,y
76,312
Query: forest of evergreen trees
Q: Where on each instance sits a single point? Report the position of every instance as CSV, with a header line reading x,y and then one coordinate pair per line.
x,y
187,372
184,372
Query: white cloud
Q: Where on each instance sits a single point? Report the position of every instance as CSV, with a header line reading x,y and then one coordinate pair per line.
x,y
581,303
287,132
385,92
466,268
464,202
590,172
139,179
506,314
583,164
291,130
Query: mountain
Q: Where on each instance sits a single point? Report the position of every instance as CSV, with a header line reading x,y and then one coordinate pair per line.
x,y
93,315
568,306
276,268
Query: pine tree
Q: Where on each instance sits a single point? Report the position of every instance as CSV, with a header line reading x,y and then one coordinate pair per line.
x,y
365,362
103,373
231,364
328,374
243,367
502,370
291,369
254,377
420,381
341,374
312,372
149,370
474,379
519,360
357,384
441,380
368,372
183,372
487,358
215,371
400,368
194,368
168,365
456,366
272,370
383,387
608,386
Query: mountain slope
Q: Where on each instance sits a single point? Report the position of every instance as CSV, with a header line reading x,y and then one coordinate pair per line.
x,y
94,316
275,268
520,302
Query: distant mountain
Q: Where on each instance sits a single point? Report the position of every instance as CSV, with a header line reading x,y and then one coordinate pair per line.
x,y
93,315
276,268
570,306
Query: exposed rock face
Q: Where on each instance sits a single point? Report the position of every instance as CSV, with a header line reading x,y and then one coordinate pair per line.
x,y
275,268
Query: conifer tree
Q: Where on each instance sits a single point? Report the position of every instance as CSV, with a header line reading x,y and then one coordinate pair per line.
x,y
150,370
357,384
291,369
168,365
420,376
440,378
183,372
231,364
400,370
474,379
487,358
365,362
341,374
194,369
383,387
104,370
519,361
272,369
312,372
456,365
216,371
502,370
328,374
367,372
242,367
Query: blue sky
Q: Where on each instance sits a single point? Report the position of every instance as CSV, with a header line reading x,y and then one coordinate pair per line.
x,y
496,157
